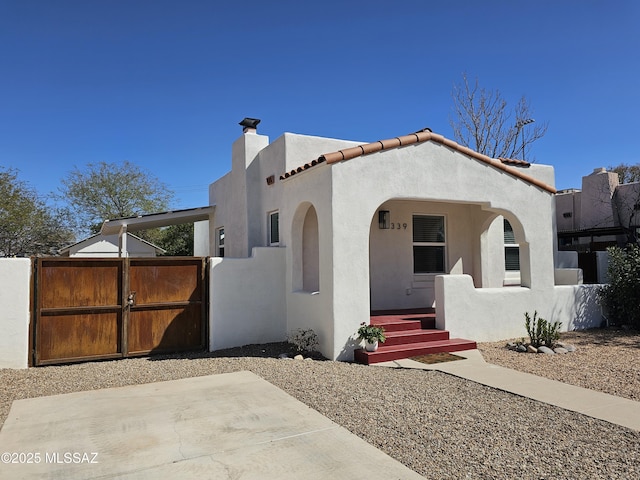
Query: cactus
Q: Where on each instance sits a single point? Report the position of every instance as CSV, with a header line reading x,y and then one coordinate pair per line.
x,y
541,332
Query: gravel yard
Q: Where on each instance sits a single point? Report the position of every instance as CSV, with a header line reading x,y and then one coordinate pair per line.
x,y
607,360
437,425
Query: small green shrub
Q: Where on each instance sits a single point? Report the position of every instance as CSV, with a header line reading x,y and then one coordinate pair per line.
x,y
541,332
304,340
371,333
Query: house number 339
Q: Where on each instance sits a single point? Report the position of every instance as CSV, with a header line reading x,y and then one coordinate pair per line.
x,y
398,226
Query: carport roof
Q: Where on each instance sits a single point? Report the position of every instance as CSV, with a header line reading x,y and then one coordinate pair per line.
x,y
155,220
421,136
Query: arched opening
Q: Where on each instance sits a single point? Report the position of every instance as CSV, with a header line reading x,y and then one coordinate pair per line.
x,y
310,252
306,249
504,252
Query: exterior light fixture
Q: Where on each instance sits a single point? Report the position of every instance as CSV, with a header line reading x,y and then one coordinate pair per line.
x,y
383,220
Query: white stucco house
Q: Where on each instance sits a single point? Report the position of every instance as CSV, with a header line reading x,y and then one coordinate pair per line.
x,y
313,232
100,245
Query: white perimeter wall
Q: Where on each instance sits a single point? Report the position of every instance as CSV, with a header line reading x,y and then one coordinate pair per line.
x,y
492,314
247,302
15,281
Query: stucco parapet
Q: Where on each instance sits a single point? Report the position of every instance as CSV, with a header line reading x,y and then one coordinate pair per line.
x,y
505,165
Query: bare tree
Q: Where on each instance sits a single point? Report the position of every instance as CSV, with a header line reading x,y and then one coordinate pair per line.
x,y
626,200
627,173
482,121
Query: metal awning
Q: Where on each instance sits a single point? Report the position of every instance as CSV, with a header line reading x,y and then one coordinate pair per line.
x,y
155,220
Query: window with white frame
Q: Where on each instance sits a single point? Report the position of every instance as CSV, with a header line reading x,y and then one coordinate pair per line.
x,y
511,249
274,228
220,241
429,244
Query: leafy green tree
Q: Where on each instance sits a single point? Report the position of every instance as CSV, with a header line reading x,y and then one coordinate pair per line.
x,y
27,226
483,121
177,240
109,190
621,296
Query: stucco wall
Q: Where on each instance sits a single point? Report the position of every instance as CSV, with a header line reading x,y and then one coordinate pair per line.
x,y
201,239
393,283
494,314
243,198
429,172
309,309
15,281
247,302
596,205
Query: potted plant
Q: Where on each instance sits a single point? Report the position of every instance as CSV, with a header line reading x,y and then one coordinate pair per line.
x,y
371,334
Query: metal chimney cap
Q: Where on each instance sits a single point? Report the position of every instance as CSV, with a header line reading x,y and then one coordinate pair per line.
x,y
248,122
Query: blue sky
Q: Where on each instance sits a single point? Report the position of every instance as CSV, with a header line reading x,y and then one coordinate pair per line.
x,y
164,84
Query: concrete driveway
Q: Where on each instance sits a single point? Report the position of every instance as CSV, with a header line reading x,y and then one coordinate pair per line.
x,y
230,426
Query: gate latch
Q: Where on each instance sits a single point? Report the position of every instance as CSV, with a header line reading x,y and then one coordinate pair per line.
x,y
131,299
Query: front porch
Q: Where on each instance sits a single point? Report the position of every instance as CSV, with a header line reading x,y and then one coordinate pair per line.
x,y
410,333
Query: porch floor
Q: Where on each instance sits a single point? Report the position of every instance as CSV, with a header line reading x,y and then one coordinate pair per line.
x,y
410,333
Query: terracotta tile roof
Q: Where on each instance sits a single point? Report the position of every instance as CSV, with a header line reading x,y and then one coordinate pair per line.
x,y
514,162
504,164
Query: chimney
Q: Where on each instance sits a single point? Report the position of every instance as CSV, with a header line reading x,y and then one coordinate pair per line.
x,y
249,125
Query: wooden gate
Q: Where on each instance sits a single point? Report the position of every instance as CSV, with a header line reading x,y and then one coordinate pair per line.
x,y
90,308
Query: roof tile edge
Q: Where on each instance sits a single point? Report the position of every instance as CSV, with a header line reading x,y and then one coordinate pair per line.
x,y
413,138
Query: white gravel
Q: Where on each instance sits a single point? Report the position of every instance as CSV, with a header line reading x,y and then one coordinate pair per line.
x,y
440,426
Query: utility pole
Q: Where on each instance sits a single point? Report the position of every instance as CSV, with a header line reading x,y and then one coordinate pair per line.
x,y
520,126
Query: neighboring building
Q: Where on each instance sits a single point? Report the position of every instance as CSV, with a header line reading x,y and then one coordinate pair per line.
x,y
108,246
318,232
603,213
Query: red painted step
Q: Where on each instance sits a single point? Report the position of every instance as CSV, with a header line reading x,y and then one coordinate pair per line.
x,y
403,321
410,333
414,336
397,352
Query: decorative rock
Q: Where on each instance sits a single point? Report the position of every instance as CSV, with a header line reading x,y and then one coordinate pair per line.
x,y
567,346
546,350
309,358
521,348
284,355
511,345
298,357
560,350
532,349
